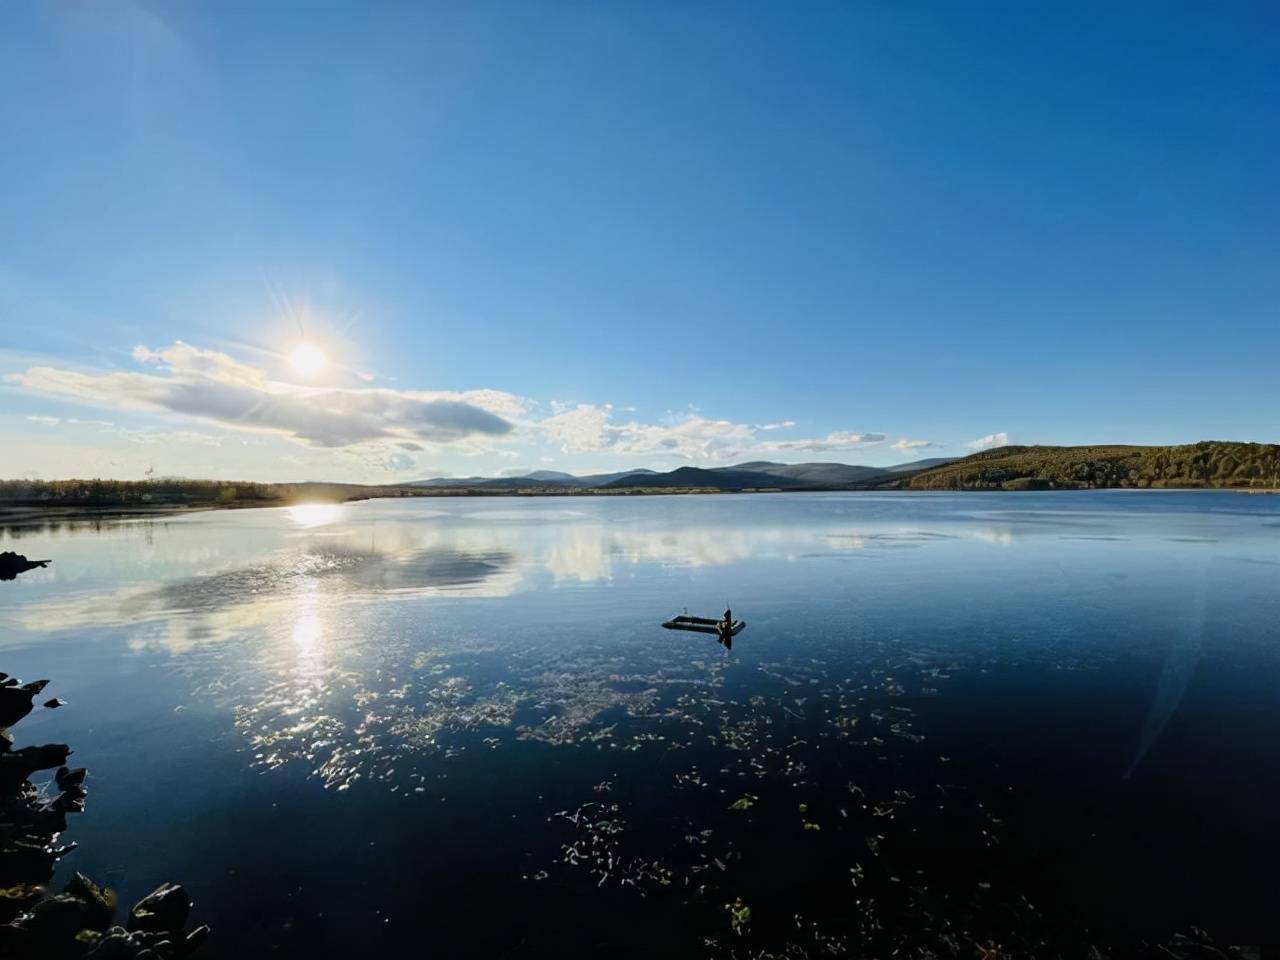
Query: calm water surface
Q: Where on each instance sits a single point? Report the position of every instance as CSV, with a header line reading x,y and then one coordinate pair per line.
x,y
457,724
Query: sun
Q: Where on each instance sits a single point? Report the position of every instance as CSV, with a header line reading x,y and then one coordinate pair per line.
x,y
308,360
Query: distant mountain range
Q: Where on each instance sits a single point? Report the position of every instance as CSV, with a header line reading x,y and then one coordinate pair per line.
x,y
1211,463
550,478
754,475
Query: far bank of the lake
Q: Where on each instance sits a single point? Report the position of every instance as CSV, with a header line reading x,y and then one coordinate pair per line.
x,y
18,514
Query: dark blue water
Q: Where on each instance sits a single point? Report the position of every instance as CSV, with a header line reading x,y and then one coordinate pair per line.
x,y
457,724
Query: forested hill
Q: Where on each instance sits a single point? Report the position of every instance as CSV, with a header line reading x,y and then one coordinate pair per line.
x,y
1209,464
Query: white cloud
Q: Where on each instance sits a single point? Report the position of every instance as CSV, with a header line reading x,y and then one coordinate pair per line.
x,y
361,430
989,441
587,428
398,463
579,429
215,388
839,440
910,446
692,437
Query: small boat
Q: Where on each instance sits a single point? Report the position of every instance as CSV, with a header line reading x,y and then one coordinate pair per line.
x,y
724,629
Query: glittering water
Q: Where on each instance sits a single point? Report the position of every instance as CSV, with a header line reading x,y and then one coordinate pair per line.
x,y
457,724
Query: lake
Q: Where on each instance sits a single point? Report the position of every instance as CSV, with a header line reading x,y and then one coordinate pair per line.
x,y
457,726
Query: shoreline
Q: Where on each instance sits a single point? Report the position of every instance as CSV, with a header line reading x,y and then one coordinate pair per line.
x,y
17,514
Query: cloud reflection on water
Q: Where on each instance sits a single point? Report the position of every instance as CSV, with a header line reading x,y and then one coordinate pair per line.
x,y
343,555
315,624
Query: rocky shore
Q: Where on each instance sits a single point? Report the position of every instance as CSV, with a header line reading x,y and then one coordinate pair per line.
x,y
12,564
80,920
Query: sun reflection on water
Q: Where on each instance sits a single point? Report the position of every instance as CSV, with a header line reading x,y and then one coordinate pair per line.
x,y
307,671
308,515
308,631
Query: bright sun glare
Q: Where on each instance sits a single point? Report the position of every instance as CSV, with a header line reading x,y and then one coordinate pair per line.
x,y
308,360
309,515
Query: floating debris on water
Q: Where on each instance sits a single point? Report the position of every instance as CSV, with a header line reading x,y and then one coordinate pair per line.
x,y
675,776
739,916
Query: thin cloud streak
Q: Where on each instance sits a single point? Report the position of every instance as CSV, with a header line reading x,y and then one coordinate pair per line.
x,y
588,428
910,446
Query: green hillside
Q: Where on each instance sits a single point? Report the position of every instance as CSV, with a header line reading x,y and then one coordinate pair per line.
x,y
1207,464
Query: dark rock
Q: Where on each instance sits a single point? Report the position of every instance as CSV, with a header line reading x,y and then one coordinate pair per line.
x,y
71,802
17,765
164,909
70,778
52,820
58,918
16,701
55,703
12,564
17,899
27,862
68,924
116,944
100,900
88,938
15,941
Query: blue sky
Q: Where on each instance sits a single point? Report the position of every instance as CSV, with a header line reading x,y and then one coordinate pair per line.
x,y
590,236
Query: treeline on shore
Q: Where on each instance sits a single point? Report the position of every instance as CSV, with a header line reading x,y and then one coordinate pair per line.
x,y
90,496
1209,464
111,493
171,493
